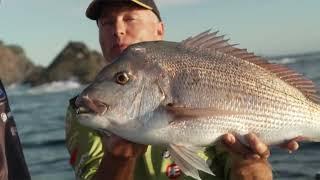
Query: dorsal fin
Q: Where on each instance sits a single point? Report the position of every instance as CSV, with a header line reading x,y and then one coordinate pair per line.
x,y
210,42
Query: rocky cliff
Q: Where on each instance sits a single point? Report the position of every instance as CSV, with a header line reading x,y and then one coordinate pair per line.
x,y
75,62
15,66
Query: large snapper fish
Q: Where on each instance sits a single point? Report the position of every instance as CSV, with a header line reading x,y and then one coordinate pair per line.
x,y
186,95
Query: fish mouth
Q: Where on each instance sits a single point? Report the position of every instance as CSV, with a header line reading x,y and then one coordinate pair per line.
x,y
86,105
84,110
119,47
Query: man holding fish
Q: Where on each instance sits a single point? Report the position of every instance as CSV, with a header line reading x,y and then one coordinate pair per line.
x,y
99,155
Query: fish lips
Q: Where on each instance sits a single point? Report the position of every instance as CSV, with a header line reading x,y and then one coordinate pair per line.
x,y
93,121
87,105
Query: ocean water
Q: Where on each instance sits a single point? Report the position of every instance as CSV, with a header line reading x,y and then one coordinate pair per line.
x,y
40,111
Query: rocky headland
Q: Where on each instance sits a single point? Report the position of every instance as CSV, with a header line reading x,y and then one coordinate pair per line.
x,y
15,66
75,62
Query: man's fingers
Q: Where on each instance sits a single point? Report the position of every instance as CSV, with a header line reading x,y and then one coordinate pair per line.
x,y
293,144
233,145
257,146
257,149
290,145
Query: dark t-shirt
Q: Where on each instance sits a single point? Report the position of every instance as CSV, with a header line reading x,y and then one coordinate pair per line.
x,y
12,162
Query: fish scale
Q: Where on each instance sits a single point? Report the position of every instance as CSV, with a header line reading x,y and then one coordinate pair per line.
x,y
186,95
184,86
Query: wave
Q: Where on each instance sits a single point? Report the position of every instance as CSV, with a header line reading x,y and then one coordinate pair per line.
x,y
17,89
295,59
53,87
48,143
285,60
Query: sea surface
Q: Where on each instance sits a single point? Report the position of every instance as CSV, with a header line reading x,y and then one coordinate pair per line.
x,y
40,111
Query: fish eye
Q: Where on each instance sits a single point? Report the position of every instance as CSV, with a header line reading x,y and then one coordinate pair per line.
x,y
122,78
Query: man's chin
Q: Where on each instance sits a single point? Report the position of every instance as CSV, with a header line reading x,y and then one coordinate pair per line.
x,y
114,54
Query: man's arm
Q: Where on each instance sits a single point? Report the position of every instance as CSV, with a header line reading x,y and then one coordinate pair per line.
x,y
119,160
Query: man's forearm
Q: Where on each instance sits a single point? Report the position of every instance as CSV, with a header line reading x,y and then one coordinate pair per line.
x,y
116,168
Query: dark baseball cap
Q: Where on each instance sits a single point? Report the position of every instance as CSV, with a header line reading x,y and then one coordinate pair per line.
x,y
95,7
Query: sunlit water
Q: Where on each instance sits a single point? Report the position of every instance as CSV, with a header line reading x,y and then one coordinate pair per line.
x,y
39,113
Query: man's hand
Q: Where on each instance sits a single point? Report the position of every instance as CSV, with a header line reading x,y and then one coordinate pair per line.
x,y
122,148
256,149
251,162
119,159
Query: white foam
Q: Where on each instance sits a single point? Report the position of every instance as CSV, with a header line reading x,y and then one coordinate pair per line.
x,y
285,60
56,86
16,89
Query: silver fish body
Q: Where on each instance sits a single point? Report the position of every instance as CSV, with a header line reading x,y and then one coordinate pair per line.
x,y
186,95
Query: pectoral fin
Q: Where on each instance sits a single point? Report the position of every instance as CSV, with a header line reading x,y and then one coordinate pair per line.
x,y
188,160
181,112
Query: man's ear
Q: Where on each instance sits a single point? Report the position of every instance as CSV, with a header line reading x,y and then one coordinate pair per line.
x,y
160,31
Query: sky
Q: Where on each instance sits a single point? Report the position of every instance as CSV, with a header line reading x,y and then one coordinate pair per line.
x,y
272,27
